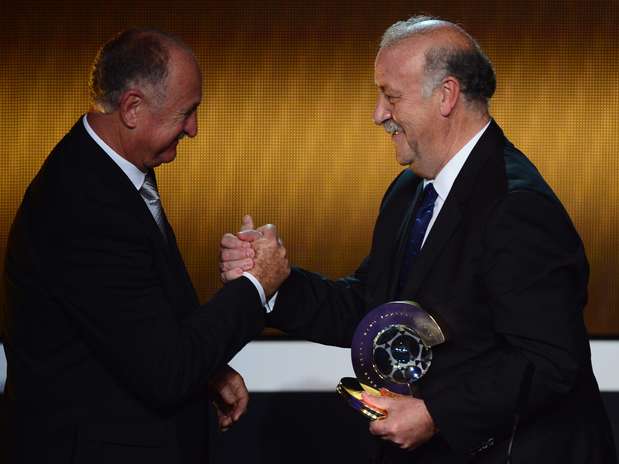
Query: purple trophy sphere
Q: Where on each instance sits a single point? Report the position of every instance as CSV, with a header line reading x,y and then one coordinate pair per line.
x,y
391,346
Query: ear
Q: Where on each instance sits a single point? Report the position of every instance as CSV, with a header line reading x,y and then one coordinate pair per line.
x,y
130,106
449,92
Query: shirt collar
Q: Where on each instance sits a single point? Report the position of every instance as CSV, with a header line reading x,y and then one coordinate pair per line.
x,y
131,171
446,177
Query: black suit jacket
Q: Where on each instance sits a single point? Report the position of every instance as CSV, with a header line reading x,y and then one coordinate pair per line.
x,y
109,351
504,272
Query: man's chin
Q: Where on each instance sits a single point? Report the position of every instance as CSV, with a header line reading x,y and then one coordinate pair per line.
x,y
403,159
166,157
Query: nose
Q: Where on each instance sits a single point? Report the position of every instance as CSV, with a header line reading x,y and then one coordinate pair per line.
x,y
382,111
191,125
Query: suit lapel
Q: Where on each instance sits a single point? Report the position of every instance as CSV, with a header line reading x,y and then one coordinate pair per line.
x,y
452,212
443,229
386,237
115,183
118,189
402,241
180,272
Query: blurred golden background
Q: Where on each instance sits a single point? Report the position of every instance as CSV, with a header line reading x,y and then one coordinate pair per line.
x,y
285,129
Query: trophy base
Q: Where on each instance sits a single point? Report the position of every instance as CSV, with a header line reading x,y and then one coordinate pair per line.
x,y
351,389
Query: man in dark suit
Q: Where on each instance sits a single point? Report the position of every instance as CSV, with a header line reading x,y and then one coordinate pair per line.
x,y
110,355
474,234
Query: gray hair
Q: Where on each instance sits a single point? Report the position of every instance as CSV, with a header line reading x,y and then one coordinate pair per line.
x,y
135,57
470,65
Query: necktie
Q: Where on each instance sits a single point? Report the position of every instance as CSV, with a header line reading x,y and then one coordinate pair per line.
x,y
150,195
418,231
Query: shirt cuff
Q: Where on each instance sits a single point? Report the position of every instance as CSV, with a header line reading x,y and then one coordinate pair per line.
x,y
268,305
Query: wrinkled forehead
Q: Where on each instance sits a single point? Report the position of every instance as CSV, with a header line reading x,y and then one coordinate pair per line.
x,y
401,60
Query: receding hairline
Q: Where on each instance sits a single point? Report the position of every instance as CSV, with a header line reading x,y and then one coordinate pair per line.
x,y
446,49
446,33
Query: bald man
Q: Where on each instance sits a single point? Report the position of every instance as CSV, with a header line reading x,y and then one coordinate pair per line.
x,y
111,358
472,232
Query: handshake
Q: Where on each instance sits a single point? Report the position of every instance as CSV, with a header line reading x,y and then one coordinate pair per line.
x,y
258,251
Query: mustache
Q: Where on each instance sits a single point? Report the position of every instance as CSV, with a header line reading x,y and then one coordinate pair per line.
x,y
391,127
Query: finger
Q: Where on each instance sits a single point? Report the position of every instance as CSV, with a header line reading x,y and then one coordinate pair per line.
x,y
241,405
235,394
249,235
227,398
225,422
381,402
229,276
235,254
225,425
248,223
378,428
245,264
223,411
388,393
231,241
222,408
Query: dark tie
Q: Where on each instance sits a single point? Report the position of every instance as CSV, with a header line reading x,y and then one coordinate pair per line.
x,y
418,231
150,195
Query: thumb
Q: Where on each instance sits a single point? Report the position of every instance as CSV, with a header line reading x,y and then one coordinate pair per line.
x,y
269,231
248,223
380,402
249,235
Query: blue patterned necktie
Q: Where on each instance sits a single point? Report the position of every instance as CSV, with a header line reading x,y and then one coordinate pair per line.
x,y
418,231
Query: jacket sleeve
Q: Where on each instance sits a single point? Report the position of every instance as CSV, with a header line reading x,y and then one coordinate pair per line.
x,y
105,278
315,308
327,311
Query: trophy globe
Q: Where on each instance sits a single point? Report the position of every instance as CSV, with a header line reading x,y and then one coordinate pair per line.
x,y
400,355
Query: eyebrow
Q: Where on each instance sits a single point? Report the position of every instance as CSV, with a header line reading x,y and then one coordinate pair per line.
x,y
191,109
386,89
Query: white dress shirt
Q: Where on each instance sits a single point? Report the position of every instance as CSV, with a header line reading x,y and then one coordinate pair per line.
x,y
446,177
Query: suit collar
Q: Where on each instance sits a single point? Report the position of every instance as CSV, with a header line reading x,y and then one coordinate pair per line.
x,y
447,176
131,171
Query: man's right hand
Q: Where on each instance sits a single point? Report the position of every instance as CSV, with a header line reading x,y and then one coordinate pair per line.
x,y
236,254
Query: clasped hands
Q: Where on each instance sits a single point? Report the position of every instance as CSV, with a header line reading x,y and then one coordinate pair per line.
x,y
257,251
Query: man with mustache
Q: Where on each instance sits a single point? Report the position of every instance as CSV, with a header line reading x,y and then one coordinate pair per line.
x,y
473,233
111,358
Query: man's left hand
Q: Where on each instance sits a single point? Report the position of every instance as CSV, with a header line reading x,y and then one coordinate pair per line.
x,y
230,396
408,422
